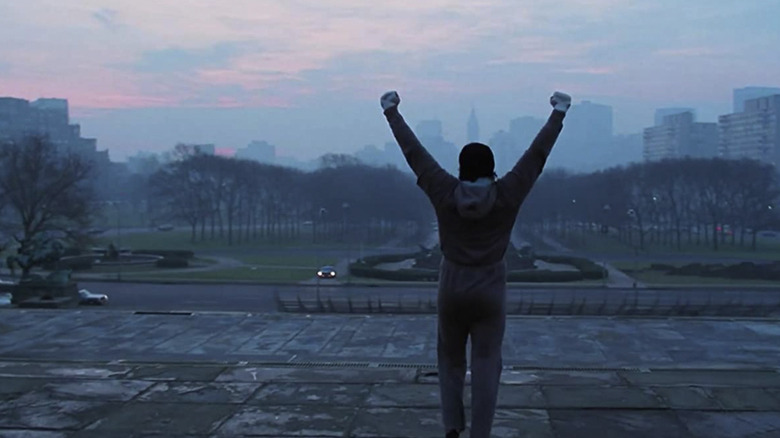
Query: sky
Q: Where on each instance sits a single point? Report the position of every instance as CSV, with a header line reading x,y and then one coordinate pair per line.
x,y
306,75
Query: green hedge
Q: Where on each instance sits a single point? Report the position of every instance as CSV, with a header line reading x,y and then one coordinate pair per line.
x,y
589,269
536,276
175,253
74,263
401,275
586,269
172,262
374,260
544,276
740,271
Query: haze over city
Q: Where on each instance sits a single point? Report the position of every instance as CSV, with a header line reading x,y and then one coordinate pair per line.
x,y
306,76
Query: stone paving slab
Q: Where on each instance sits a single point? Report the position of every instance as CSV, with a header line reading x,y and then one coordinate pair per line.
x,y
83,400
232,375
535,342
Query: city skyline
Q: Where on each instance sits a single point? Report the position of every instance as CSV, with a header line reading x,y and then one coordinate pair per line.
x,y
304,76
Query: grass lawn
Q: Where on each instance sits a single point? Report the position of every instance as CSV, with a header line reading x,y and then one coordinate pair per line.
x,y
659,278
767,249
281,275
380,282
643,273
181,240
308,261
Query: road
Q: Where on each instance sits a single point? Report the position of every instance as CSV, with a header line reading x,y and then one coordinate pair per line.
x,y
258,298
180,297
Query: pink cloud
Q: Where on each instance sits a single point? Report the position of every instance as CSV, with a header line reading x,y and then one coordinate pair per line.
x,y
692,51
589,70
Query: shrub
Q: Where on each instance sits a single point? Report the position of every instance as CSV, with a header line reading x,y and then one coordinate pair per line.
x,y
693,269
363,270
172,262
589,269
71,251
740,271
385,258
175,253
543,276
74,263
661,267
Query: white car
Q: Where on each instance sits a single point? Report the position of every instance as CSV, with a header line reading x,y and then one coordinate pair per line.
x,y
5,299
327,272
87,297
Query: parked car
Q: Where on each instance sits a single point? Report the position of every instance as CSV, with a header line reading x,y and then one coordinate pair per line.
x,y
87,297
5,299
327,272
165,227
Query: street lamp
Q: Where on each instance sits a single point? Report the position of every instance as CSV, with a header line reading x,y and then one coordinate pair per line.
x,y
345,207
322,213
118,239
632,214
605,224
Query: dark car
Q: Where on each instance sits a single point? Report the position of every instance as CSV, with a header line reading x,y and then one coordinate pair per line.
x,y
327,272
87,297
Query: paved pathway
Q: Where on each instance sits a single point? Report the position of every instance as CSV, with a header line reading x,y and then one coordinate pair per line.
x,y
559,342
121,374
616,279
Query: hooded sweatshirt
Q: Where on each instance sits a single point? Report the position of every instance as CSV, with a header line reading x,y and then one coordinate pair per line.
x,y
475,218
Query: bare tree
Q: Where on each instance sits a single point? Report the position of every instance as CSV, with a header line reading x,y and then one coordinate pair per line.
x,y
47,195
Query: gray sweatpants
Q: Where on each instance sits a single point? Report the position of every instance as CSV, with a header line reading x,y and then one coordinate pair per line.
x,y
471,301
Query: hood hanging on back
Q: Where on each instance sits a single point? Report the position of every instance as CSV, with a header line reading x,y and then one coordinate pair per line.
x,y
475,199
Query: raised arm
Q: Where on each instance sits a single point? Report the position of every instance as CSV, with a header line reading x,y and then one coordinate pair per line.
x,y
434,180
519,181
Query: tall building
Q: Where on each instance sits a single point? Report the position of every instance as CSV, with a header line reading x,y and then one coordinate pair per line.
x,y
430,134
587,135
472,128
741,95
660,113
49,118
16,118
678,136
261,151
752,133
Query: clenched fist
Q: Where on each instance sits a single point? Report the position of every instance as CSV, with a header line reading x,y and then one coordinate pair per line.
x,y
560,101
389,100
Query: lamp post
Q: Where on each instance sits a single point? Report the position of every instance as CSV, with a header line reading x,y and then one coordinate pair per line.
x,y
632,215
118,240
345,207
322,213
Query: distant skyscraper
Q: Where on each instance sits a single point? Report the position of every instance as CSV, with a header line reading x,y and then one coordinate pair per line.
x,y
50,118
260,151
509,145
587,134
429,129
430,134
752,133
660,113
472,130
678,136
747,93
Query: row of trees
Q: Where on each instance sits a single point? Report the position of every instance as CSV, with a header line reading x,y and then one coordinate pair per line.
x,y
672,202
46,198
242,200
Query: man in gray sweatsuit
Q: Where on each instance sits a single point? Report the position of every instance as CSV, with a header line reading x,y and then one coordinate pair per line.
x,y
476,213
